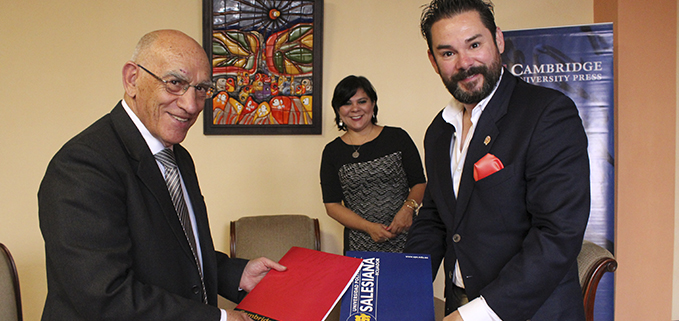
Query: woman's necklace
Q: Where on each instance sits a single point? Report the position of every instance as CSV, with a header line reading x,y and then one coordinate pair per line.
x,y
355,154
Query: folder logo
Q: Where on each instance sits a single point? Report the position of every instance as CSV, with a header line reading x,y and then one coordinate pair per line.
x,y
363,317
364,291
389,287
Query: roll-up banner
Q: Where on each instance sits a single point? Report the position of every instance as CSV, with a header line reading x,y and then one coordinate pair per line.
x,y
578,61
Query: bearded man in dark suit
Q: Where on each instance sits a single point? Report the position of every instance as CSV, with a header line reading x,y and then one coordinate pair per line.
x,y
119,244
507,200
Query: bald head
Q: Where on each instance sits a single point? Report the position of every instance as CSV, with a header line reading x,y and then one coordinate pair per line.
x,y
167,44
167,57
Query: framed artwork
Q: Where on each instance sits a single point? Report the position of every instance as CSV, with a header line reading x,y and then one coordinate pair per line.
x,y
267,65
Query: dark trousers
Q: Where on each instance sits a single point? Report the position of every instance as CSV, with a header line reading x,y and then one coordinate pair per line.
x,y
458,298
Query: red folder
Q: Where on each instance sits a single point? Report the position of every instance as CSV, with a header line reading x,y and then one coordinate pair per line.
x,y
307,291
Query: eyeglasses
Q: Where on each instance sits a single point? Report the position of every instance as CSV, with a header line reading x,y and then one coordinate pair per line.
x,y
179,87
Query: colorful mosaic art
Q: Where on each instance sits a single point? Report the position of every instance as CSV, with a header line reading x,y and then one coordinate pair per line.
x,y
263,62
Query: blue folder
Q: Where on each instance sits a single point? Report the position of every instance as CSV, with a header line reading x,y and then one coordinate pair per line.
x,y
390,287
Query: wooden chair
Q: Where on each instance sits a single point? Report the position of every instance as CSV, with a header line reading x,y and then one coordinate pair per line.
x,y
272,236
593,262
10,296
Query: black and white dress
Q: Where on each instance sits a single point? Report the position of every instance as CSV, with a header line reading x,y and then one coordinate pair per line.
x,y
374,185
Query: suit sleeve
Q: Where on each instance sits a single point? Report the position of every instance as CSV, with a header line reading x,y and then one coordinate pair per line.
x,y
84,220
557,202
230,271
427,235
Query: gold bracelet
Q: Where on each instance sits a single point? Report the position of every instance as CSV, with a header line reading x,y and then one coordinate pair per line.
x,y
412,204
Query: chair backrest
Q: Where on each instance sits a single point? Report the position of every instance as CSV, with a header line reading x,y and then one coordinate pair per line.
x,y
10,296
439,309
272,236
593,262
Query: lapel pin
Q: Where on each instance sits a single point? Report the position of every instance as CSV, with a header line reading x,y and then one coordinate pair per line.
x,y
487,140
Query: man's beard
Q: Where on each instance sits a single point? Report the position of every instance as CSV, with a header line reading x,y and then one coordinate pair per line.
x,y
491,75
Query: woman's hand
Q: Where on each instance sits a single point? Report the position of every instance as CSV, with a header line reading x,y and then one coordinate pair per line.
x,y
378,232
402,221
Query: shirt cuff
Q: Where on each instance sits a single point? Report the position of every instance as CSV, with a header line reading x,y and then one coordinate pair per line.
x,y
223,317
478,310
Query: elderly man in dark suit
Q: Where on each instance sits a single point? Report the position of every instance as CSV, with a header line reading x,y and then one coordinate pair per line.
x,y
508,197
125,225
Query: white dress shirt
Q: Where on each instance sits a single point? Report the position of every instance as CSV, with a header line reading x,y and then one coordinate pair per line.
x,y
477,309
156,146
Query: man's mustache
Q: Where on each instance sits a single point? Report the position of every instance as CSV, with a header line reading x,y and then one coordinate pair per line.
x,y
461,75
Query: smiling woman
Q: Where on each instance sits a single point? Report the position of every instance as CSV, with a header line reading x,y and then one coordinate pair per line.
x,y
371,177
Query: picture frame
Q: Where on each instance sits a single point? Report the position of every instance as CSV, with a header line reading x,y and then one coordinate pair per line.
x,y
267,65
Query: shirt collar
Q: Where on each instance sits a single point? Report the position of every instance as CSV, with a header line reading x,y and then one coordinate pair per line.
x,y
454,108
154,143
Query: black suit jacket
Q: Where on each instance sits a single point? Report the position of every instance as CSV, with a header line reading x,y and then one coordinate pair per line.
x,y
517,232
115,249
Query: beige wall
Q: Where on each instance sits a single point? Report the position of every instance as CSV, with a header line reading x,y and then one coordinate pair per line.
x,y
675,281
61,64
645,153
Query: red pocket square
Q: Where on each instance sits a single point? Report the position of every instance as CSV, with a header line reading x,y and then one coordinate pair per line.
x,y
486,166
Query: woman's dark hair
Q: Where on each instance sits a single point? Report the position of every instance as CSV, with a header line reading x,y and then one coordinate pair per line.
x,y
346,89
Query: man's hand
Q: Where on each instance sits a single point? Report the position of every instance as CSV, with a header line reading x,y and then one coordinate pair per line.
x,y
237,316
255,270
455,316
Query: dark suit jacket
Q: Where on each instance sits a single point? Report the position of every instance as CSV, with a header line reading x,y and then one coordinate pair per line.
x,y
115,248
517,232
